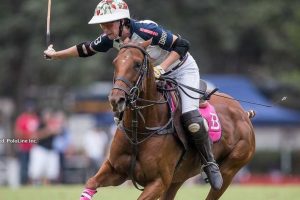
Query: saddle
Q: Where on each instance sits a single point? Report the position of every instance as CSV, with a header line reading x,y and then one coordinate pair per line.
x,y
205,108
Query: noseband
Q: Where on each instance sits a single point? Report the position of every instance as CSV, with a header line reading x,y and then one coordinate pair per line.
x,y
132,90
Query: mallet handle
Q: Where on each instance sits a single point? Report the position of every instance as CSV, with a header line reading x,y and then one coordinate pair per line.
x,y
48,24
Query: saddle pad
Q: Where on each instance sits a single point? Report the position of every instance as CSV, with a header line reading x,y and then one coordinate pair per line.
x,y
209,114
214,126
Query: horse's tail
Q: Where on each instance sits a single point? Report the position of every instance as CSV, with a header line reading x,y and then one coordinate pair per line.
x,y
251,114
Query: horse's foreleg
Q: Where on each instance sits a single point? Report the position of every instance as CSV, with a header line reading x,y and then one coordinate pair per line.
x,y
106,176
153,190
171,191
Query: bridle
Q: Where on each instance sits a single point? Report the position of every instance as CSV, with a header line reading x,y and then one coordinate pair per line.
x,y
133,90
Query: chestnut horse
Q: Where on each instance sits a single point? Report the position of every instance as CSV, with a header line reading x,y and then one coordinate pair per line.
x,y
142,153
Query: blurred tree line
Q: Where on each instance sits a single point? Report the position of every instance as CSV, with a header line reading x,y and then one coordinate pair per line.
x,y
260,39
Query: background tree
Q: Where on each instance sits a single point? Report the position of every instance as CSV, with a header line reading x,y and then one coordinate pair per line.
x,y
257,38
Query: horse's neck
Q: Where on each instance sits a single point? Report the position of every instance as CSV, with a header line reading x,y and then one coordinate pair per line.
x,y
153,114
150,93
150,90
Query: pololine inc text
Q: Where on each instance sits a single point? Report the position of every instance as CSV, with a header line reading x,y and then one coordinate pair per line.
x,y
17,141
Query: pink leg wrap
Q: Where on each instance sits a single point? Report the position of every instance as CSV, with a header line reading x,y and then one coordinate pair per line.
x,y
87,194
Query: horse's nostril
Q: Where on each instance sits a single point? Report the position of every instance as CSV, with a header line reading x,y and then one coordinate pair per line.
x,y
121,104
122,100
117,102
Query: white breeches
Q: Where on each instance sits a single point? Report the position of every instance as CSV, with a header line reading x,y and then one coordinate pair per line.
x,y
188,74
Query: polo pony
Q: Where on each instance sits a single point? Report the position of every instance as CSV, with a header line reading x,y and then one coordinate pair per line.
x,y
145,148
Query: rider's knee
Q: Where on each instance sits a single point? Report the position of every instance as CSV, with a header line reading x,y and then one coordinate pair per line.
x,y
194,122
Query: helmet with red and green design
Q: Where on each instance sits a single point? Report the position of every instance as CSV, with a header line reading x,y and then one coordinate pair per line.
x,y
110,10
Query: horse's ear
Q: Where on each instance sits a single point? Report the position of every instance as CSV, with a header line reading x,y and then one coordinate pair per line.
x,y
127,40
146,43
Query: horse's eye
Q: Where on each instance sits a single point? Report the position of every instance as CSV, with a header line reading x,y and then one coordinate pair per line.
x,y
137,65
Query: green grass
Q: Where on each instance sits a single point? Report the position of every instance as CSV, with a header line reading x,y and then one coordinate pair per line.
x,y
129,193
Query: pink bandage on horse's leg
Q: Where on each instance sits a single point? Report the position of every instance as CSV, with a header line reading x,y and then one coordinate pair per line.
x,y
87,194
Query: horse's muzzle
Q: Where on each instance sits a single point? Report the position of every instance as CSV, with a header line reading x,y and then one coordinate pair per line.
x,y
117,102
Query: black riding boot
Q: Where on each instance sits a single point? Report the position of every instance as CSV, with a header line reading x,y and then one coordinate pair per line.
x,y
197,127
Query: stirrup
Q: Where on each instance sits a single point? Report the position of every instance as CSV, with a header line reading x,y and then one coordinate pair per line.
x,y
212,175
203,173
204,176
208,164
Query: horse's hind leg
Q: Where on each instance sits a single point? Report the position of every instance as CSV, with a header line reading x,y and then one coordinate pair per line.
x,y
228,173
106,176
238,158
171,191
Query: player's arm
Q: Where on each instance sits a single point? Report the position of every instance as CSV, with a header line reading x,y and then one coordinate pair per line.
x,y
84,49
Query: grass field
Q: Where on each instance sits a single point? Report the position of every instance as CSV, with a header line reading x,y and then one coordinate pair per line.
x,y
129,193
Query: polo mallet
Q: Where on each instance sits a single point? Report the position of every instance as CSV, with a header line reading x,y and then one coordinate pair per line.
x,y
48,40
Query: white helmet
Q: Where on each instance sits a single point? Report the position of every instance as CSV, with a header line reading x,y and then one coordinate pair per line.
x,y
110,10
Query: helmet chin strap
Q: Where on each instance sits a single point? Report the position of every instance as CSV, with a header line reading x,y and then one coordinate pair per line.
x,y
121,28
